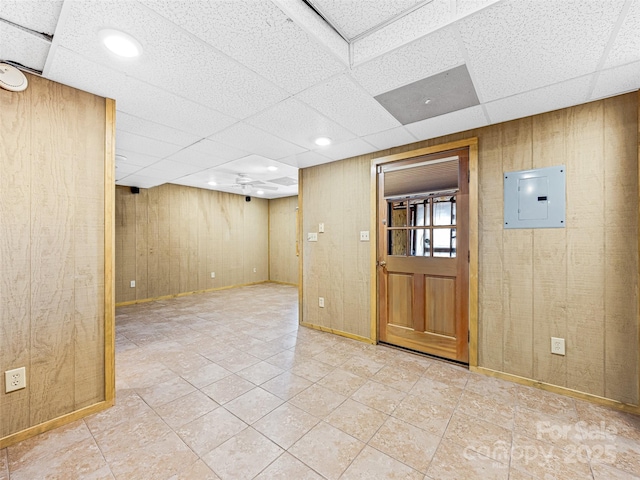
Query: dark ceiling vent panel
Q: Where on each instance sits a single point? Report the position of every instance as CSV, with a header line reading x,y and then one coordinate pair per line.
x,y
442,93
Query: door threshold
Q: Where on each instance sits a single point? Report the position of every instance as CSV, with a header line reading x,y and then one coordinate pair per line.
x,y
428,355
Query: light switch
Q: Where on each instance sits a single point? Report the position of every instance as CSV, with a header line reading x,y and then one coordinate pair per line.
x,y
321,228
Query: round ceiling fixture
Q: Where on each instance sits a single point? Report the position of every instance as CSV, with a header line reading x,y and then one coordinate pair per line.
x,y
323,141
120,43
260,192
272,168
12,79
212,183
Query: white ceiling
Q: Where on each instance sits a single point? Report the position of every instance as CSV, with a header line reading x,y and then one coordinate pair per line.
x,y
233,86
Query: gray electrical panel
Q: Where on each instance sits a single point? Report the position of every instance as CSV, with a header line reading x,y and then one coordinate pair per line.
x,y
535,198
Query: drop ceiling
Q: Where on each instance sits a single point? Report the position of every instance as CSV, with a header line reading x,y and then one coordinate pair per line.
x,y
225,87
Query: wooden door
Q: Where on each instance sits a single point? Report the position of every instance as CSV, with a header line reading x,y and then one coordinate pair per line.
x,y
423,258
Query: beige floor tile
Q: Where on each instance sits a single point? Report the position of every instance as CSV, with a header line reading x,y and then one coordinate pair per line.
x,y
448,374
625,454
242,456
264,350
4,465
47,444
547,402
437,392
493,410
82,459
333,356
430,417
311,369
228,388
260,373
399,379
363,367
543,460
186,409
182,361
518,475
480,436
453,462
165,392
318,401
552,429
253,405
343,382
128,405
357,419
620,423
494,387
607,472
286,385
237,361
378,396
206,375
406,443
286,467
327,450
196,471
286,424
285,360
209,431
285,341
161,459
133,434
373,464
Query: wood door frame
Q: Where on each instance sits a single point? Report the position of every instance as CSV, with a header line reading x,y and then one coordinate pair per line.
x,y
472,144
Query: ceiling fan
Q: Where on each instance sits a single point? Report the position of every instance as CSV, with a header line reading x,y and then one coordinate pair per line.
x,y
246,184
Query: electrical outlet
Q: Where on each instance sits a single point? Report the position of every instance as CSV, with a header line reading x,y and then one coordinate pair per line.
x,y
312,237
133,284
213,274
321,302
15,379
557,346
364,236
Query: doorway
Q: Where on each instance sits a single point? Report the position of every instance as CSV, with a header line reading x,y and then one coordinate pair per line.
x,y
423,253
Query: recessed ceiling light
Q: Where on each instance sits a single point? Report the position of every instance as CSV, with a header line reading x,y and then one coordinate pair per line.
x,y
212,183
120,43
323,141
260,192
271,168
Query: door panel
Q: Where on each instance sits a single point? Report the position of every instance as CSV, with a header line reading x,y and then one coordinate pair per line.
x,y
423,278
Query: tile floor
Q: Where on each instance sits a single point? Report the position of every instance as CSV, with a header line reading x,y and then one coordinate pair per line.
x,y
225,385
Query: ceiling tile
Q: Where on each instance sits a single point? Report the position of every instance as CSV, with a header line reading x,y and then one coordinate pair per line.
x,y
432,54
22,47
353,18
147,128
348,105
465,7
145,145
140,181
626,47
413,26
172,58
516,46
135,158
306,159
207,154
124,169
299,123
134,96
39,15
256,167
287,56
256,141
350,148
542,100
390,138
450,123
168,170
617,80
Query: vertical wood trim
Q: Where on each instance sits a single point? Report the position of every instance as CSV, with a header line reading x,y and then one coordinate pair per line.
x,y
473,252
638,240
109,243
299,246
374,229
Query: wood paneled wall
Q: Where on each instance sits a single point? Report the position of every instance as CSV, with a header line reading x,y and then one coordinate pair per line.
x,y
52,251
283,260
336,267
579,283
170,238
